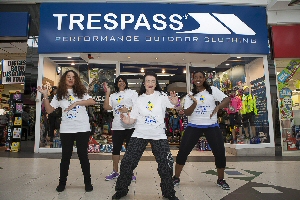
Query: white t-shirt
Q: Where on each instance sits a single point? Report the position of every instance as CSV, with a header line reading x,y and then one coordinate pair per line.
x,y
75,120
118,100
205,106
149,110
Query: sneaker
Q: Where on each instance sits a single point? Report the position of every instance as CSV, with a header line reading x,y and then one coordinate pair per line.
x,y
118,195
176,180
133,178
112,176
222,183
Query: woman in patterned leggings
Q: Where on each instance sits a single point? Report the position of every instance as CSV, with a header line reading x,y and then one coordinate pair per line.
x,y
148,112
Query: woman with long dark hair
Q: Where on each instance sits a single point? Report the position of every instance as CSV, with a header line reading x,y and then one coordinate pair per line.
x,y
200,105
148,112
121,101
72,97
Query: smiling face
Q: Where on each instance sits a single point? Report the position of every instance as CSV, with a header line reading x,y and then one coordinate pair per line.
x,y
121,84
150,84
70,80
199,79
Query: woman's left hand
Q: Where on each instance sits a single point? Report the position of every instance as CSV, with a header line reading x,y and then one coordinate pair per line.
x,y
71,107
214,111
173,98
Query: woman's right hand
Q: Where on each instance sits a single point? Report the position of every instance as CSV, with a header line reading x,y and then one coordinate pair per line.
x,y
43,91
193,98
125,118
106,88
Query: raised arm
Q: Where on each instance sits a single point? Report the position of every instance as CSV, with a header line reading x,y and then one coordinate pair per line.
x,y
106,105
44,92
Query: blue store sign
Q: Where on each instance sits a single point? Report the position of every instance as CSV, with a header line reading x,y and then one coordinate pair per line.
x,y
91,27
14,25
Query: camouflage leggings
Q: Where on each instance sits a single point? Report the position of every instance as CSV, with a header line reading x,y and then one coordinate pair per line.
x,y
134,152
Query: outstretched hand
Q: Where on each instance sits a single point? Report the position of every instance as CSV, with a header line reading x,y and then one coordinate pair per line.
x,y
43,91
173,98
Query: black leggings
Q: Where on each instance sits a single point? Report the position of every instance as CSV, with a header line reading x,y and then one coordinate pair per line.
x,y
214,138
67,142
118,139
163,156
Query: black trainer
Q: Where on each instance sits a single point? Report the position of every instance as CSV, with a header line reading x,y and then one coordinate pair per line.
x,y
118,195
176,180
222,183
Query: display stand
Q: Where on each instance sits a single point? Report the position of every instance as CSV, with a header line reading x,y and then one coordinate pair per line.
x,y
14,128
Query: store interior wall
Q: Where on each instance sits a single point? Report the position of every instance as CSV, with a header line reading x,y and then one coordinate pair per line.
x,y
50,71
254,70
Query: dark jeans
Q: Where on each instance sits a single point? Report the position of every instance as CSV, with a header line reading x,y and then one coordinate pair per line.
x,y
133,154
214,138
67,142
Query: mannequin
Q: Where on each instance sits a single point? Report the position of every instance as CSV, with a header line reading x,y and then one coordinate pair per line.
x,y
233,109
248,111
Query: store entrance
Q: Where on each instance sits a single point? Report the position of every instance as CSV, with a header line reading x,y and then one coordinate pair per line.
x,y
231,74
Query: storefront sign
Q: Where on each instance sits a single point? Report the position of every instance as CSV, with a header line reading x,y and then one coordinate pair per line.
x,y
287,74
286,41
89,27
14,25
13,71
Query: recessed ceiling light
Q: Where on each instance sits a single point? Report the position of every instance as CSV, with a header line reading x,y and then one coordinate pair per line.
x,y
227,64
69,57
72,63
183,59
156,58
238,57
128,57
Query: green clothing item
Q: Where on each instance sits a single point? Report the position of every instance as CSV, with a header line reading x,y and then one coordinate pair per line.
x,y
248,104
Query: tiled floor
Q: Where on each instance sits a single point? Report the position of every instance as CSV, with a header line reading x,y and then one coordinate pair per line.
x,y
26,175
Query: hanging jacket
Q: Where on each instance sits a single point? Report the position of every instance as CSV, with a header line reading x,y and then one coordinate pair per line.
x,y
248,104
235,105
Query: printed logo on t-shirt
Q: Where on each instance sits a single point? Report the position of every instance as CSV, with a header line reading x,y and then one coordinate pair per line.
x,y
71,114
120,98
150,120
202,99
116,109
71,99
201,110
150,106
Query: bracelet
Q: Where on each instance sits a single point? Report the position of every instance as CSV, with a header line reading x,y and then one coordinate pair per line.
x,y
45,98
